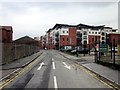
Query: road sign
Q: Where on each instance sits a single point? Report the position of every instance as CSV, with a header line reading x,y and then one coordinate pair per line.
x,y
103,48
118,49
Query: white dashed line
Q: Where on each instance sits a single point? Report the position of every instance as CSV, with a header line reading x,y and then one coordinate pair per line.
x,y
53,63
55,83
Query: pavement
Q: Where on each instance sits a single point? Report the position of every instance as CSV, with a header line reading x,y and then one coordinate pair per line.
x,y
103,71
20,62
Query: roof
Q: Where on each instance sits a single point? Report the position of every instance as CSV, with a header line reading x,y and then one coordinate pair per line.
x,y
63,25
24,40
60,26
88,26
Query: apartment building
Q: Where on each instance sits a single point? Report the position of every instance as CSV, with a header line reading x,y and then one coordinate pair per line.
x,y
64,36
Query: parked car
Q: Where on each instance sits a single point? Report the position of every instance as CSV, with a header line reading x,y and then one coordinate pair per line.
x,y
92,50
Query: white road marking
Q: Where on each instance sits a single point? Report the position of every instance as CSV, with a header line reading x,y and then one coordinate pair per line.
x,y
9,74
68,67
53,63
55,83
52,59
40,66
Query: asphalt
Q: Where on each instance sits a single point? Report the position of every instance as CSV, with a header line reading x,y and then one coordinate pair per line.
x,y
88,62
56,72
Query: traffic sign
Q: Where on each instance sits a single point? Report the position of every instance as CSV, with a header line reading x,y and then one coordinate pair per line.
x,y
103,48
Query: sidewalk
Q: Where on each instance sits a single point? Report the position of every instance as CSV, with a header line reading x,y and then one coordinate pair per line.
x,y
88,62
21,62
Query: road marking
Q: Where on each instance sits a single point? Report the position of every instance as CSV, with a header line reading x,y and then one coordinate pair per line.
x,y
40,66
9,74
52,59
55,83
68,67
53,63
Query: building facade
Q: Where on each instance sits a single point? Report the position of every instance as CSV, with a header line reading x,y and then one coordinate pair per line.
x,y
64,36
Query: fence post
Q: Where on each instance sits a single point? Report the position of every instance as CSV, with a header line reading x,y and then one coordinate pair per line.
x,y
99,51
111,49
114,51
84,49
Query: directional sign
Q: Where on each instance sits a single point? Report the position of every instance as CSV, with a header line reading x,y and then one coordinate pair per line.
x,y
103,48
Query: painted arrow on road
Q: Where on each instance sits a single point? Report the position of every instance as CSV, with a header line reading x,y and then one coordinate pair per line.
x,y
40,66
68,67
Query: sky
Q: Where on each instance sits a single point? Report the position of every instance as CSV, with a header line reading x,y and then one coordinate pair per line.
x,y
35,18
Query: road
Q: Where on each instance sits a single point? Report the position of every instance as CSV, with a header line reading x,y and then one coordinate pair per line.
x,y
52,70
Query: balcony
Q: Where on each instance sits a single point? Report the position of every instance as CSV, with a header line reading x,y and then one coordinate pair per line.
x,y
57,39
57,34
57,44
79,34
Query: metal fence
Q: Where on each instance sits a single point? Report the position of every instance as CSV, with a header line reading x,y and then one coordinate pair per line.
x,y
111,58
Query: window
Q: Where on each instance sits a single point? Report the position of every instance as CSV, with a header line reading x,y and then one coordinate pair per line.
x,y
103,33
85,37
85,42
92,32
85,33
67,39
95,32
92,39
67,31
89,32
103,42
63,31
103,38
98,32
63,39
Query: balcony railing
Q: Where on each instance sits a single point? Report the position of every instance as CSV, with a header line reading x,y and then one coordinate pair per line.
x,y
79,34
57,39
57,34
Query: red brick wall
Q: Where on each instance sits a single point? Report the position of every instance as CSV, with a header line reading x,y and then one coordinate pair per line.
x,y
116,37
7,34
90,42
72,35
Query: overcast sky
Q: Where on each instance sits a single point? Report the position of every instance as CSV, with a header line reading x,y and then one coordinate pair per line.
x,y
34,18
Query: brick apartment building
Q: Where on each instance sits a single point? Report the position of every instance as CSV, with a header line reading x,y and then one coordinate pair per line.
x,y
64,36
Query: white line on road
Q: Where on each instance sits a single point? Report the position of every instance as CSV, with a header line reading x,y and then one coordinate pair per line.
x,y
52,59
55,83
68,67
53,65
9,74
40,66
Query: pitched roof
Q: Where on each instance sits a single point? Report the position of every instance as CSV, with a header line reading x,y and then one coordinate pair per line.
x,y
24,40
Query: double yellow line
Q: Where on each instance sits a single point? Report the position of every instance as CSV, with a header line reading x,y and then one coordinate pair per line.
x,y
8,81
108,84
